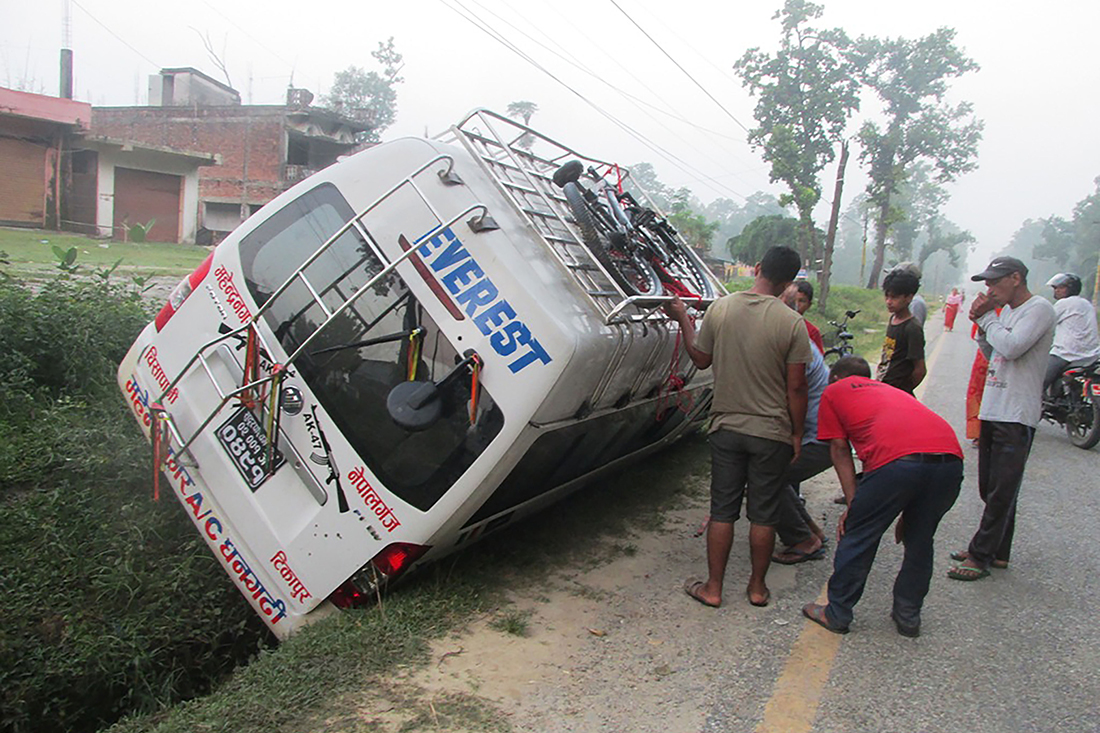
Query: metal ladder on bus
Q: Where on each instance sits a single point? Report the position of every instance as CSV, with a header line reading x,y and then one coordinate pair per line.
x,y
479,220
527,180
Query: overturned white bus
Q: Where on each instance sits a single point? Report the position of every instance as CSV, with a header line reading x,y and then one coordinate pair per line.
x,y
406,351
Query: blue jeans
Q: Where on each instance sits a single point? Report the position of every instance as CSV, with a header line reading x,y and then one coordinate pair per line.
x,y
921,493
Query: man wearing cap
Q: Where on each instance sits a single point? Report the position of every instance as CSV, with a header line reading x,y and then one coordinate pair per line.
x,y
1017,343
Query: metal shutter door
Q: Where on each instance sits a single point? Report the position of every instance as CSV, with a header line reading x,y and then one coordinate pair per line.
x,y
22,182
141,196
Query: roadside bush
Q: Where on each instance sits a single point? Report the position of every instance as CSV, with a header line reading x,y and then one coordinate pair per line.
x,y
113,605
59,350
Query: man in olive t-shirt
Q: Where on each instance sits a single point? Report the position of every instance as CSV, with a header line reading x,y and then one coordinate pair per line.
x,y
759,349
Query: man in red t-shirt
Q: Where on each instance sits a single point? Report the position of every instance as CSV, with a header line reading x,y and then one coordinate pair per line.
x,y
912,466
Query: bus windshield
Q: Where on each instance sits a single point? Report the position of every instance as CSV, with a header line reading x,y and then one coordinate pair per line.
x,y
385,338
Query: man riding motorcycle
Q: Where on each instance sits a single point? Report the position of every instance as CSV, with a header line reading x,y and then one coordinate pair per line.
x,y
1076,341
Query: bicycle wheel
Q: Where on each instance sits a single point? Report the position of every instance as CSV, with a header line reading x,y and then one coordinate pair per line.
x,y
624,263
683,273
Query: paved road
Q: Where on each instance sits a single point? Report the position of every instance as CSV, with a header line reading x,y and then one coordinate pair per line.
x,y
1016,652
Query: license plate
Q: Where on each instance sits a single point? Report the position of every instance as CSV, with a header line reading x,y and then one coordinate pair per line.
x,y
245,443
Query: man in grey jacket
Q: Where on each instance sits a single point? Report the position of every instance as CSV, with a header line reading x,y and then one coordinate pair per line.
x,y
1017,343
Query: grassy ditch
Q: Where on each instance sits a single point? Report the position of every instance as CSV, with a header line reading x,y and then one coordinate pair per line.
x,y
112,604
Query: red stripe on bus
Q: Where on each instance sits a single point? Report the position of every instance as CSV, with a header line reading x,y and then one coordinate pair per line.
x,y
436,288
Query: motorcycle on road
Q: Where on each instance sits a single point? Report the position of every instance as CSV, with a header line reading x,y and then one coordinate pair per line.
x,y
1077,408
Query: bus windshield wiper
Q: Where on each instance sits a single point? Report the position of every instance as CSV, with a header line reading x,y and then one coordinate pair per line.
x,y
388,338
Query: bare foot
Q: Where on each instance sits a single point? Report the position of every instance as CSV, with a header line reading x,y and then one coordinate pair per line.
x,y
758,597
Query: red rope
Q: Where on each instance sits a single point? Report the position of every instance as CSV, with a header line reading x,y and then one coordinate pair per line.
x,y
475,378
675,383
251,368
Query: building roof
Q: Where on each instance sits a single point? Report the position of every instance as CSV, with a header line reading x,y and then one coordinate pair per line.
x,y
196,72
43,108
199,158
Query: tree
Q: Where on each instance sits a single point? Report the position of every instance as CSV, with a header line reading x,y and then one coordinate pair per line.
x,y
762,233
643,177
910,77
694,228
525,111
369,96
1057,243
807,92
732,218
944,236
918,204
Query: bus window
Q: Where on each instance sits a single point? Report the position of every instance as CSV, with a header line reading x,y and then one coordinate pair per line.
x,y
352,379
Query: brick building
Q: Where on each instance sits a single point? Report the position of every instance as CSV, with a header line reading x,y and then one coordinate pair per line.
x,y
263,149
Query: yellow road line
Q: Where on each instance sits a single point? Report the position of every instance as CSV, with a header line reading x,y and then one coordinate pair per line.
x,y
931,362
793,705
797,694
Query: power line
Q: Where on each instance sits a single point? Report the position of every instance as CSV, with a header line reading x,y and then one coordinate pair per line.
x,y
585,69
116,36
637,100
472,18
248,35
678,66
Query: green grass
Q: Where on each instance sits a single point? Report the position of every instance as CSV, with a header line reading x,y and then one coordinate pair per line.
x,y
30,254
512,621
869,327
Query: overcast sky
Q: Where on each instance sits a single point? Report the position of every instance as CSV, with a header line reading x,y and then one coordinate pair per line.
x,y
1037,90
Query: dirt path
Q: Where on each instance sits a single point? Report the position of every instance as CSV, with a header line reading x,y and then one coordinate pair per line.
x,y
620,647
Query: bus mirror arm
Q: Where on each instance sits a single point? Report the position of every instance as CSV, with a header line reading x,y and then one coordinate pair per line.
x,y
415,406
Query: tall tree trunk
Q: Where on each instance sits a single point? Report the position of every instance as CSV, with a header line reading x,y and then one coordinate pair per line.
x,y
830,237
881,225
805,229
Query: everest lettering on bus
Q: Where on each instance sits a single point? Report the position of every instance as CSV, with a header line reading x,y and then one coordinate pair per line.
x,y
476,294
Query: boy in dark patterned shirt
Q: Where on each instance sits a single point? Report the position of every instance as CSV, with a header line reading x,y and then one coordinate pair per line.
x,y
902,364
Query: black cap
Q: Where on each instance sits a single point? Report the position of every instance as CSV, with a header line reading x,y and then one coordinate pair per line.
x,y
999,267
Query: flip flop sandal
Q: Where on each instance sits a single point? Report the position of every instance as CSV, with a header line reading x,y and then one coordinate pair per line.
x,y
963,556
692,589
797,556
816,613
966,573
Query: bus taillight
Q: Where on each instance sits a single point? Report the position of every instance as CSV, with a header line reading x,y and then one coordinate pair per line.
x,y
396,558
359,590
181,291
